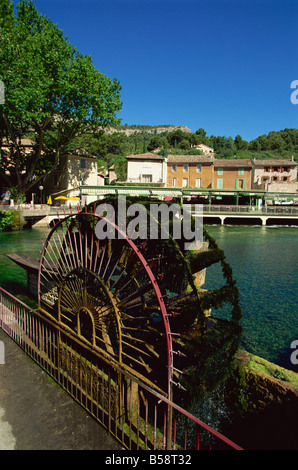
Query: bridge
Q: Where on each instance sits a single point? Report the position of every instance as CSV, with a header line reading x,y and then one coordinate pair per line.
x,y
212,213
247,215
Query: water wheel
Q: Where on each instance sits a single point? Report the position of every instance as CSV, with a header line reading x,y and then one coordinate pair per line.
x,y
133,301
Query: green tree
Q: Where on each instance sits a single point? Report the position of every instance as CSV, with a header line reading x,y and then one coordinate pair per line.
x,y
53,94
239,143
175,138
201,137
157,141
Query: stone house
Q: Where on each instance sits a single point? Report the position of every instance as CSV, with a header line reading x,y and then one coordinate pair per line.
x,y
194,171
76,168
232,174
146,168
273,171
205,149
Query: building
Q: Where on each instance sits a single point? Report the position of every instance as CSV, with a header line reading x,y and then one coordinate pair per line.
x,y
205,149
25,147
76,168
232,174
194,171
146,168
273,171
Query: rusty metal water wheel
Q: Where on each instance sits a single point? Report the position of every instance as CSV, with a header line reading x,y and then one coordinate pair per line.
x,y
104,292
132,301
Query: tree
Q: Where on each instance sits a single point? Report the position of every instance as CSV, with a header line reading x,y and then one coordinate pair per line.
x,y
240,144
157,141
176,137
53,94
202,136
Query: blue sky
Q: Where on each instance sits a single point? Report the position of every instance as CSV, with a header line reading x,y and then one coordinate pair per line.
x,y
224,65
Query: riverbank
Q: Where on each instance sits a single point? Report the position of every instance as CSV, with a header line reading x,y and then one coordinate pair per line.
x,y
11,220
257,407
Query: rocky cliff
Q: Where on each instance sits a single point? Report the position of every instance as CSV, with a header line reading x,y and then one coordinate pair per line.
x,y
148,129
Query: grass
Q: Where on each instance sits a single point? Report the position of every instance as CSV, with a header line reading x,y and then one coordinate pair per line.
x,y
260,365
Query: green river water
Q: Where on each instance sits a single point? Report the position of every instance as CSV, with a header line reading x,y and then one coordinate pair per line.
x,y
264,262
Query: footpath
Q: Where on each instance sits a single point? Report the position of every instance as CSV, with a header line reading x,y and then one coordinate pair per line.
x,y
36,414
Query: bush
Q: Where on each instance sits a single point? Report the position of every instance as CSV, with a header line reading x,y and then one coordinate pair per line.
x,y
11,220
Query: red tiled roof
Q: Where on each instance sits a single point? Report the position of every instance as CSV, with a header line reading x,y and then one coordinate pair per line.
x,y
145,156
190,159
226,162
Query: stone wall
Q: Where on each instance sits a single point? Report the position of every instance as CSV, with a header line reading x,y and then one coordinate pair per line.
x,y
283,187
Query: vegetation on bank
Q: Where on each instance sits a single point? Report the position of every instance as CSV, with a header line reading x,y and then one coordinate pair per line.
x,y
11,221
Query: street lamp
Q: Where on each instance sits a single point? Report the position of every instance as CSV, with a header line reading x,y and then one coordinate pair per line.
x,y
41,188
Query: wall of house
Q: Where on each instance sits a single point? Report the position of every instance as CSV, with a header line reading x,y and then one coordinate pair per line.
x,y
149,171
205,149
81,170
263,175
70,175
192,177
231,178
283,187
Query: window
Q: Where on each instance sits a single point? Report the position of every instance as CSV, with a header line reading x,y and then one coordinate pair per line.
x,y
220,171
240,184
241,171
174,167
147,178
198,182
174,182
185,182
185,168
83,163
199,168
219,183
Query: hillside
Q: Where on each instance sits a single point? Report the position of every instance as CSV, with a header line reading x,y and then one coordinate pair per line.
x,y
112,145
129,130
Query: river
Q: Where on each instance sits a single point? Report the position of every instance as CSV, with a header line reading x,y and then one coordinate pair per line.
x,y
264,262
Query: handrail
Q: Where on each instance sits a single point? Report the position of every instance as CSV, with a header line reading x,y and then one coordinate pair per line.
x,y
129,423
278,210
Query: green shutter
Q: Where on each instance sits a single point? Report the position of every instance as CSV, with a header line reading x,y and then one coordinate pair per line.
x,y
237,184
244,184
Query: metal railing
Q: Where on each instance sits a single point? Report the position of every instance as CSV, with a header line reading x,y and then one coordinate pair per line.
x,y
137,416
277,210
